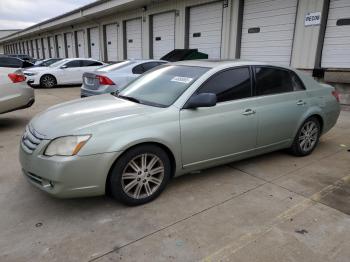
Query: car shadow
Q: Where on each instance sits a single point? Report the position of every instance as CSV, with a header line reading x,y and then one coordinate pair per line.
x,y
10,123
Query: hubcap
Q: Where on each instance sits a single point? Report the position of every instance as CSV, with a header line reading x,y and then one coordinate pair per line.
x,y
48,81
142,176
308,136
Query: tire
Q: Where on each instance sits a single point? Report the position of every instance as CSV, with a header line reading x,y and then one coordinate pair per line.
x,y
132,183
48,81
307,137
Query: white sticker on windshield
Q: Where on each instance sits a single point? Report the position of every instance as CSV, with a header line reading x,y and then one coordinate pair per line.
x,y
182,79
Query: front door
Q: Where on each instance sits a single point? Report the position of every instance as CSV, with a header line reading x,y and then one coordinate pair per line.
x,y
225,130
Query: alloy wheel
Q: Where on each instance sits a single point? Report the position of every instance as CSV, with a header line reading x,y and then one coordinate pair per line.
x,y
142,176
48,81
308,136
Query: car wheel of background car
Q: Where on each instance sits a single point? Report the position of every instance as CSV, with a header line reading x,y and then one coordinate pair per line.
x,y
48,81
307,137
140,175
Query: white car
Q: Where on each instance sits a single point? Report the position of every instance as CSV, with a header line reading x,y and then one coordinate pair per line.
x,y
65,72
15,94
111,78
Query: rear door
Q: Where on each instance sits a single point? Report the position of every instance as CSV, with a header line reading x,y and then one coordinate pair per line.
x,y
225,130
282,103
133,39
72,74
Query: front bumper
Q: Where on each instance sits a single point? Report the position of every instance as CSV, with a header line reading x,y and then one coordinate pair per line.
x,y
67,177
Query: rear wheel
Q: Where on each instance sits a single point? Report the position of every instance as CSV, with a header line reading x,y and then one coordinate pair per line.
x,y
307,137
48,81
140,175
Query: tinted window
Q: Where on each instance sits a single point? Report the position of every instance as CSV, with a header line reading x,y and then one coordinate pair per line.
x,y
296,82
273,81
10,62
150,65
229,85
74,63
91,63
138,70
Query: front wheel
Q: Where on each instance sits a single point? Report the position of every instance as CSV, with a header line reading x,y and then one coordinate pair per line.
x,y
48,81
307,137
140,175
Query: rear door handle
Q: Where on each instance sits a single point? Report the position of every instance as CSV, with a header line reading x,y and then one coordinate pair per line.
x,y
249,112
301,103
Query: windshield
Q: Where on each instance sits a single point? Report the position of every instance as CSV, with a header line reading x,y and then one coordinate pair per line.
x,y
58,64
115,66
163,85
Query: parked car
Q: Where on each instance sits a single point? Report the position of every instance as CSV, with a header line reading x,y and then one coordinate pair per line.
x,y
15,94
23,57
13,62
113,77
172,120
46,62
64,72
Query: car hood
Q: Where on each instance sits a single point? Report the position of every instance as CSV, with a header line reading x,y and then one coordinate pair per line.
x,y
83,116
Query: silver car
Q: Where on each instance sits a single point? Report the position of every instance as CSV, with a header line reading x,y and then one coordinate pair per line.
x,y
15,94
175,119
113,77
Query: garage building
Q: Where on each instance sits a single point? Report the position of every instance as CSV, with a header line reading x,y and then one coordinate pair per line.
x,y
311,35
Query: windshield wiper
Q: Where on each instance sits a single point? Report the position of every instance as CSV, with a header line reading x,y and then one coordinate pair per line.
x,y
132,99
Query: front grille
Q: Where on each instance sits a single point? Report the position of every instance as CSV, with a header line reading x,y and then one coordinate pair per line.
x,y
31,140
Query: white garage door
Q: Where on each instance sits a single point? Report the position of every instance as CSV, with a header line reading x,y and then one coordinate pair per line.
x,y
46,48
205,29
52,46
69,45
40,48
336,47
112,42
60,46
163,34
95,43
268,30
35,49
81,43
134,39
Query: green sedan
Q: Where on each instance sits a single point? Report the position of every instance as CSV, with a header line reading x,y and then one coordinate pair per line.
x,y
173,120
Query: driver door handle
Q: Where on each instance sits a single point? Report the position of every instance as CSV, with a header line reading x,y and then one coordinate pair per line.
x,y
301,103
248,112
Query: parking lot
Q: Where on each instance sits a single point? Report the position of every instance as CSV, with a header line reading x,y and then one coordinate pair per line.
x,y
274,207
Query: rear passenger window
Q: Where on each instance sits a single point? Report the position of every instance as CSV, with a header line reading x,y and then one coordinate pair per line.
x,y
229,85
91,63
138,70
297,84
273,81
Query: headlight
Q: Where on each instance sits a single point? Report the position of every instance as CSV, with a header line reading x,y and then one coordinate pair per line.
x,y
30,74
66,146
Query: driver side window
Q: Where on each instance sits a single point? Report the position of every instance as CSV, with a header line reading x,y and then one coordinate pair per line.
x,y
231,84
75,63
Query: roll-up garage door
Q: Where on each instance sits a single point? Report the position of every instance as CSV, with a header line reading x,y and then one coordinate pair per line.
x,y
40,48
69,45
268,30
52,47
133,39
112,42
95,43
60,45
35,49
46,48
336,47
205,28
163,27
81,43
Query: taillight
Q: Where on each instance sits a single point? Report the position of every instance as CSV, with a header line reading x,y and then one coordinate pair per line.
x,y
16,78
104,80
336,95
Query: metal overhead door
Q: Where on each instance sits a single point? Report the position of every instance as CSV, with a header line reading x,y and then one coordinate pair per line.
x,y
81,43
60,50
94,43
69,45
46,48
163,28
40,49
35,49
112,42
268,30
205,28
336,47
133,39
52,46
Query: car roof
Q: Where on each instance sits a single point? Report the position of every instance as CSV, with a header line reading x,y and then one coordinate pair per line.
x,y
222,63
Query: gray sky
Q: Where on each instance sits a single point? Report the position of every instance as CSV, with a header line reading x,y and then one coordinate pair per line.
x,y
19,14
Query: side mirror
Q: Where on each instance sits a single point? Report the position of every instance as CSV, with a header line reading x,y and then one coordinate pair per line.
x,y
63,67
201,100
